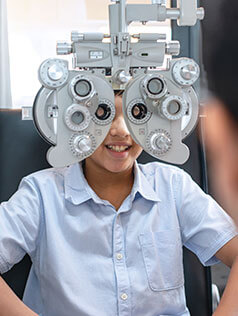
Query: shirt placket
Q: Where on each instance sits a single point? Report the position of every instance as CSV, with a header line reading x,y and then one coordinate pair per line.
x,y
123,284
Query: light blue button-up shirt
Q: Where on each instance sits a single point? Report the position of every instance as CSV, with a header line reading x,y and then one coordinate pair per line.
x,y
89,259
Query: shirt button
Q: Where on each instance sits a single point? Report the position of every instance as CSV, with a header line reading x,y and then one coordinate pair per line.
x,y
119,256
124,296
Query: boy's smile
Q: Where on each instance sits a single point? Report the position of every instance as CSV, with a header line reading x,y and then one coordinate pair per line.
x,y
118,149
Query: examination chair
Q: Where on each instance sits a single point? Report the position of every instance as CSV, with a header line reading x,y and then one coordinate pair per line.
x,y
23,151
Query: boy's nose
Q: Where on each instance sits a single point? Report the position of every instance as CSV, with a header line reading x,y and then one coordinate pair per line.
x,y
119,128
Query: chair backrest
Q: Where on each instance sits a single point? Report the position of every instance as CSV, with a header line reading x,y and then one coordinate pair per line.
x,y
22,151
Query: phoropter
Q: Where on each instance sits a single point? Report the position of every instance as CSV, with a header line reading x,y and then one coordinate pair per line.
x,y
74,109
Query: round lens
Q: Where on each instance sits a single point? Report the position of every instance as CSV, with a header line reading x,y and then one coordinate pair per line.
x,y
139,111
173,107
103,112
77,117
82,88
155,86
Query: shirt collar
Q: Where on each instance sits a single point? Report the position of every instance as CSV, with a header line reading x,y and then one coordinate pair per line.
x,y
143,186
77,189
75,185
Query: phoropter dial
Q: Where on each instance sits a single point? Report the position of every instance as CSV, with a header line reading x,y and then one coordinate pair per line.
x,y
82,144
137,111
77,117
185,71
53,73
154,86
81,88
173,107
158,142
105,112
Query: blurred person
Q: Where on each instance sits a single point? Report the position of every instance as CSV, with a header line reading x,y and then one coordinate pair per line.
x,y
222,110
221,127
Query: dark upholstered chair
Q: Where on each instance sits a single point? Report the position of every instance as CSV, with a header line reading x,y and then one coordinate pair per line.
x,y
22,151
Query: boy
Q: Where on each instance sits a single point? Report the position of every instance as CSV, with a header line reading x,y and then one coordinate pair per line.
x,y
105,236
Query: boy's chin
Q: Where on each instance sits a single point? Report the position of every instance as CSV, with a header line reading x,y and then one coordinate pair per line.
x,y
118,168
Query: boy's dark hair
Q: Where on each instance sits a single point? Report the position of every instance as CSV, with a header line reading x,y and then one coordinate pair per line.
x,y
118,93
222,65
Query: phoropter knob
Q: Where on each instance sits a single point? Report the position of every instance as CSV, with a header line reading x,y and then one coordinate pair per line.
x,y
172,48
63,48
76,36
185,71
159,142
83,143
160,2
53,73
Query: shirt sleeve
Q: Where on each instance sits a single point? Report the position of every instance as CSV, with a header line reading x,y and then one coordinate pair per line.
x,y
19,225
205,226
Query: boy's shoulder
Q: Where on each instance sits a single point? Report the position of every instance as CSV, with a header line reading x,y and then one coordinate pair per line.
x,y
164,179
48,175
155,168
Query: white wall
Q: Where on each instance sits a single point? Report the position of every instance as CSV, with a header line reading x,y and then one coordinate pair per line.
x,y
5,85
35,26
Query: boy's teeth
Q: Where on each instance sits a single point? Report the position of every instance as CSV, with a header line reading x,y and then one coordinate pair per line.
x,y
118,148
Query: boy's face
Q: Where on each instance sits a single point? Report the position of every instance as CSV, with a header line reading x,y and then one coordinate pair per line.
x,y
118,151
222,147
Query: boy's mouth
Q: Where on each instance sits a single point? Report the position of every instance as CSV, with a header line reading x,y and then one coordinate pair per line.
x,y
118,148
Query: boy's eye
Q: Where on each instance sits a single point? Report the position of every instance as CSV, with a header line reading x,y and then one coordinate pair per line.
x,y
139,111
103,112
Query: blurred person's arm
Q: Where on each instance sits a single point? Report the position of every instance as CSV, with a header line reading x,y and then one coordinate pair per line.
x,y
228,254
10,304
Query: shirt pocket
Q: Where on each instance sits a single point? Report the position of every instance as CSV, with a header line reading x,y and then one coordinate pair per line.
x,y
163,259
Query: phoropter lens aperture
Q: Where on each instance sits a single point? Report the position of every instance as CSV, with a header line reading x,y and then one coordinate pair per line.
x,y
77,117
82,88
174,107
103,112
139,111
155,86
